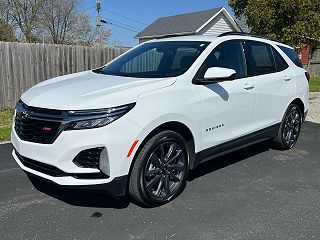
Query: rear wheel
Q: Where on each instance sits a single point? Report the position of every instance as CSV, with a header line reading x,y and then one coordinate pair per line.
x,y
160,170
289,128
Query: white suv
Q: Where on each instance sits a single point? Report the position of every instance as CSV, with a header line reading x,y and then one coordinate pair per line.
x,y
138,124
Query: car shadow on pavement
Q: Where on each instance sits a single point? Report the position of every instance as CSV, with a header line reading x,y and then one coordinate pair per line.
x,y
77,197
228,159
103,200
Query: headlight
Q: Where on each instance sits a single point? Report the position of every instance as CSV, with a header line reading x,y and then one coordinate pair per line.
x,y
86,119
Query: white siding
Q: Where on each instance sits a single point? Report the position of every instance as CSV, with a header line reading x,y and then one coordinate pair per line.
x,y
217,26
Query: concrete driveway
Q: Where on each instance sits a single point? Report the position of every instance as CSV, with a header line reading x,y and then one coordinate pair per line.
x,y
255,193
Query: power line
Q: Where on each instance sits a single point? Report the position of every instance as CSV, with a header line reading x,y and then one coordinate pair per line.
x,y
86,9
114,24
118,14
123,24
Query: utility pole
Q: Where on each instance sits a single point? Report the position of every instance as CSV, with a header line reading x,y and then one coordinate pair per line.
x,y
98,20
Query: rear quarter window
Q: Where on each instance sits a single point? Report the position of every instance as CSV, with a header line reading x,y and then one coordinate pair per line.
x,y
281,64
294,57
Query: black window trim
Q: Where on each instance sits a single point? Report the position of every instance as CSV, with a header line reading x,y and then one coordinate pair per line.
x,y
196,76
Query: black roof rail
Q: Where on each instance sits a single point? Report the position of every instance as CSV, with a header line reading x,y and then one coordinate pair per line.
x,y
247,34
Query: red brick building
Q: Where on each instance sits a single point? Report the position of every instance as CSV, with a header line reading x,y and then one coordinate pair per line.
x,y
304,53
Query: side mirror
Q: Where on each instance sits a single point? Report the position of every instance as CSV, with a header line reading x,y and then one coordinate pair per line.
x,y
217,74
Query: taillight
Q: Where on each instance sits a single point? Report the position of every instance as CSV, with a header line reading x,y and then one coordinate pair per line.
x,y
307,76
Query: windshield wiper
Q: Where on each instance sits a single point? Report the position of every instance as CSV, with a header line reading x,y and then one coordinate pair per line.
x,y
98,70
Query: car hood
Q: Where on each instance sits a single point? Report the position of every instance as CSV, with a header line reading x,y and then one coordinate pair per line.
x,y
89,90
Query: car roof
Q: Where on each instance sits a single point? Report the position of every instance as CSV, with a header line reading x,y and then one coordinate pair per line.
x,y
213,38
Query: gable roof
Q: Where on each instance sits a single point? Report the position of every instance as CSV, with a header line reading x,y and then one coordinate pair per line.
x,y
183,24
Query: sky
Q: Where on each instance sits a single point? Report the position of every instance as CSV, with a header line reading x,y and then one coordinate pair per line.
x,y
134,15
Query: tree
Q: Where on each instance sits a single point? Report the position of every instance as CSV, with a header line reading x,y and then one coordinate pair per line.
x,y
291,21
84,33
57,17
24,13
62,23
6,31
238,6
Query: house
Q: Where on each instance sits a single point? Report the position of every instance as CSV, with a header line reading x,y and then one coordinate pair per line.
x,y
208,22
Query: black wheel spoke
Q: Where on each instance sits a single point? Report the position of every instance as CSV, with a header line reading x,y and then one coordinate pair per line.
x,y
153,182
178,167
174,178
152,172
162,153
171,150
155,160
178,152
160,185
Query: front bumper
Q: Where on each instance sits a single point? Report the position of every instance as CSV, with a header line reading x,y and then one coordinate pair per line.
x,y
116,188
117,138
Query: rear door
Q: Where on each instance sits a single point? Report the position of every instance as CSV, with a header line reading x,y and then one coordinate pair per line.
x,y
273,80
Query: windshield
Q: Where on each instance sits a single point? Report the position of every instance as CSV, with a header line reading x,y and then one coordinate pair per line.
x,y
156,59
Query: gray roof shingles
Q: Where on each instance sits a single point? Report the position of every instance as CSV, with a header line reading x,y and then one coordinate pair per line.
x,y
184,23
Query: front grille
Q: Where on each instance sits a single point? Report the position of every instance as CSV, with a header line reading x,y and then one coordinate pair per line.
x,y
32,130
36,124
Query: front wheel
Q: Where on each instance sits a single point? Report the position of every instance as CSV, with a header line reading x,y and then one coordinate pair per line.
x,y
160,169
289,128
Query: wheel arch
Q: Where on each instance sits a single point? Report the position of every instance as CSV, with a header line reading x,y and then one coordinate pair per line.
x,y
175,126
300,104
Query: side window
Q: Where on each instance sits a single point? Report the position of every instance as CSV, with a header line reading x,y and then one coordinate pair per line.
x,y
292,55
228,54
260,58
281,64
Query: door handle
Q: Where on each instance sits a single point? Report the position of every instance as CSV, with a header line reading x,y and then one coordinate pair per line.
x,y
248,86
287,78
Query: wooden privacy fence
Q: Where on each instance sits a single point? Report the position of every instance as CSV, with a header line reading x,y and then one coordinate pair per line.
x,y
314,63
23,65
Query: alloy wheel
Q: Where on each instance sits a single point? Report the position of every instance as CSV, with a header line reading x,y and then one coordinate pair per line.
x,y
164,171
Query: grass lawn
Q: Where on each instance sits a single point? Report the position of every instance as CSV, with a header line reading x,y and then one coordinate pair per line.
x,y
314,85
5,124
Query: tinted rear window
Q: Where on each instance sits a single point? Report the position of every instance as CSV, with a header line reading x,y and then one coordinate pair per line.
x,y
281,64
292,55
259,58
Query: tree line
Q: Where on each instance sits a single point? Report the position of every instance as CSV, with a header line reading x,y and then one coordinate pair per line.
x,y
49,21
291,21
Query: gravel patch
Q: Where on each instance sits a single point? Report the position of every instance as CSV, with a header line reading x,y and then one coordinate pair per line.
x,y
314,107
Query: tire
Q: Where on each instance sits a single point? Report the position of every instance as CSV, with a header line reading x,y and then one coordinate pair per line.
x,y
289,129
160,170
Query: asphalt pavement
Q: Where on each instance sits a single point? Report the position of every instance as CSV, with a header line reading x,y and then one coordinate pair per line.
x,y
255,193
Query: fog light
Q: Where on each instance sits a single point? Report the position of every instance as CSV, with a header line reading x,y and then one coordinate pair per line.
x,y
89,158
